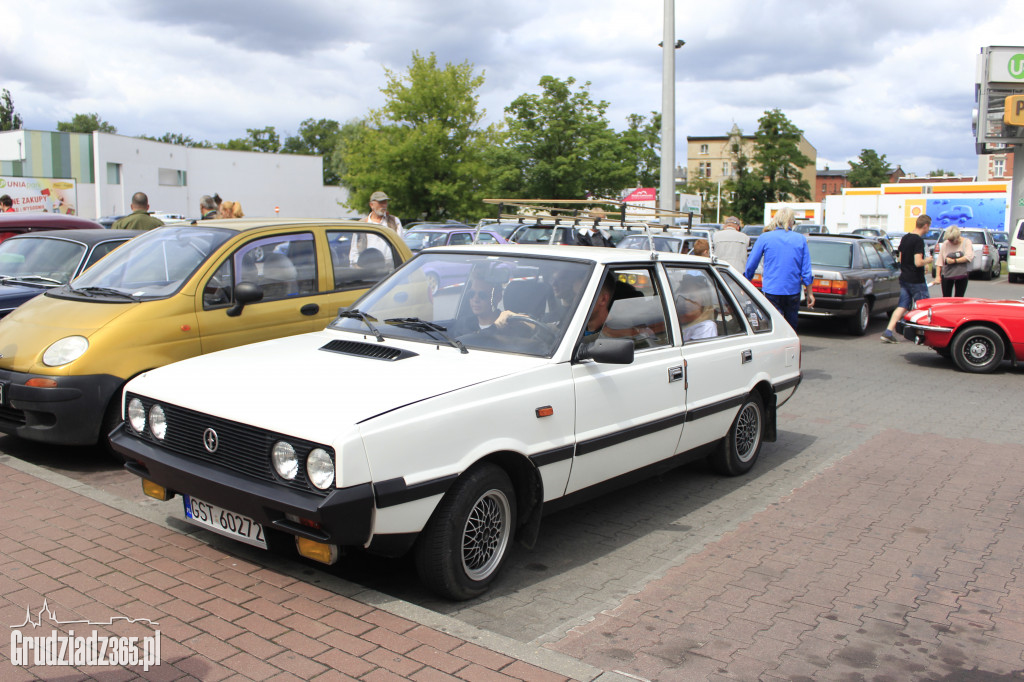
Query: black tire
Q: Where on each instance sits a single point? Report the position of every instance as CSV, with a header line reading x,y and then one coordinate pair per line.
x,y
742,444
858,324
986,275
464,544
1013,277
978,349
997,268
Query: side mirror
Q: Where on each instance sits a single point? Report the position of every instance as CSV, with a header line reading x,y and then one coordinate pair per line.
x,y
245,293
608,351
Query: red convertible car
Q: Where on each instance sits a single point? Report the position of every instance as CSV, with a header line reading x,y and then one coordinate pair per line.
x,y
977,333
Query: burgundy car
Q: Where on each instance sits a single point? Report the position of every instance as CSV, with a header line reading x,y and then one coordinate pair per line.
x,y
977,333
21,222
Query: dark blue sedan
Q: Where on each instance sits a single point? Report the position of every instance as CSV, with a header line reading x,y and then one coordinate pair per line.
x,y
34,262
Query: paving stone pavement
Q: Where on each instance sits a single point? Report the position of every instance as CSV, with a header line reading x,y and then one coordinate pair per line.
x,y
903,561
219,616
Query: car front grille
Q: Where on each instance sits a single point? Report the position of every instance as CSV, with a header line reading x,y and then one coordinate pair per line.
x,y
13,416
241,448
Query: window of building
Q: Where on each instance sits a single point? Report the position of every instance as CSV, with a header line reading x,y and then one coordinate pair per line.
x,y
998,167
878,221
113,174
824,188
170,177
703,149
704,169
725,168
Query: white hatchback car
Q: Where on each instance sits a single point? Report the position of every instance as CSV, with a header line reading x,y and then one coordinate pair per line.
x,y
446,421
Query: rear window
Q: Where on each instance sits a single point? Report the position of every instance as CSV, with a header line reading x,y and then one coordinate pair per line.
x,y
830,254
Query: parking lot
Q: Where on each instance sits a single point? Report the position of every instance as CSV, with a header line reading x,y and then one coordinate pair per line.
x,y
857,396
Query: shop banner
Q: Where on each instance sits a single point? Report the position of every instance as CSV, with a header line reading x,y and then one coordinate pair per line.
x,y
41,195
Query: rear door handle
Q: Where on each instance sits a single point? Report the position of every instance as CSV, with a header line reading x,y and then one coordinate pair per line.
x,y
309,309
675,374
746,356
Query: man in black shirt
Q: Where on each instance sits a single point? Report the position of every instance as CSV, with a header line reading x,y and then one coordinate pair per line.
x,y
912,285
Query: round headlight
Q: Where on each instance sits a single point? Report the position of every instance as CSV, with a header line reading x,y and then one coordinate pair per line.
x,y
157,422
68,349
286,464
136,415
320,468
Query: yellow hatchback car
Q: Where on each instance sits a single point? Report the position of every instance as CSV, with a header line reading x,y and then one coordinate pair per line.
x,y
170,294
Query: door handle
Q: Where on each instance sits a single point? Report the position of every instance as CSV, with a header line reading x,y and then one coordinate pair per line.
x,y
746,356
675,374
309,309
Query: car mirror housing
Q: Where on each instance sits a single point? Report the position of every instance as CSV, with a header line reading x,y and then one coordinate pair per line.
x,y
245,293
608,351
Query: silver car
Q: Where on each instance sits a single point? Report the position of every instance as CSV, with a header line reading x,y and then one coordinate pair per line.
x,y
986,261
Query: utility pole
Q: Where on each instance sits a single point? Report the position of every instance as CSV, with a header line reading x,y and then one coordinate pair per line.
x,y
669,45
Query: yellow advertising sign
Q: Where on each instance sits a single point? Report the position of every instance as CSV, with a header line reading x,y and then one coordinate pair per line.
x,y
41,195
912,210
1014,113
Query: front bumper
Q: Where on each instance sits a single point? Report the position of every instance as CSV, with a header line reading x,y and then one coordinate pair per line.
x,y
344,515
918,332
69,414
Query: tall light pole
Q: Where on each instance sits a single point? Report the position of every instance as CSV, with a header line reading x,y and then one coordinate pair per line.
x,y
669,45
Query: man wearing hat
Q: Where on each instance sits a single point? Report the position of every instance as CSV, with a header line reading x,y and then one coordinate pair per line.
x,y
379,213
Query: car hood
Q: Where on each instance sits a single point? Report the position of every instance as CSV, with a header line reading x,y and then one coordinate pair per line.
x,y
942,304
294,386
37,323
14,294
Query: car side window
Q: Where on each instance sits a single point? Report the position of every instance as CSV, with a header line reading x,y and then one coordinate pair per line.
x,y
703,310
282,266
219,289
870,253
757,317
460,238
359,259
485,238
637,310
101,250
888,261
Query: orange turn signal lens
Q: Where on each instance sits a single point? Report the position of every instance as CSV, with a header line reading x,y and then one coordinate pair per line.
x,y
317,551
42,382
545,411
157,492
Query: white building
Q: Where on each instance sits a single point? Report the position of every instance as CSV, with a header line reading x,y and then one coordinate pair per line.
x,y
109,168
896,207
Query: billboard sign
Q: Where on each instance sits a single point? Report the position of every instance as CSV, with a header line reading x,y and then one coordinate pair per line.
x,y
641,204
41,195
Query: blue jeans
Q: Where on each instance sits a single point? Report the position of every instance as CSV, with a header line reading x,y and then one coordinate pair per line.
x,y
788,305
911,294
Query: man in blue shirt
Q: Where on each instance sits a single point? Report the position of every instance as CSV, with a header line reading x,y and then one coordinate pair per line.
x,y
787,265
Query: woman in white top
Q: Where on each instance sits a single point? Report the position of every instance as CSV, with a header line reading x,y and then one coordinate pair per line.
x,y
954,263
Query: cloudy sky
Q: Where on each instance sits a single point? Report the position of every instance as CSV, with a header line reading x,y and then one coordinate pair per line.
x,y
896,76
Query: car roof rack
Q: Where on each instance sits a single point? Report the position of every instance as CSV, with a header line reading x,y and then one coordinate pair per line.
x,y
576,212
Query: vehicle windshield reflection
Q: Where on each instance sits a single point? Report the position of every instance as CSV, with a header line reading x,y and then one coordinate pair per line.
x,y
466,293
156,264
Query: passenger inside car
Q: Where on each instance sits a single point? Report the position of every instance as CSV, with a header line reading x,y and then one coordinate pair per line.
x,y
694,301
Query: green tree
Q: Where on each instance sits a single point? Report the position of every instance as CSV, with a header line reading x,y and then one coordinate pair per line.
x,y
560,146
317,138
870,170
258,140
9,120
85,123
425,147
779,159
940,173
747,190
179,139
642,139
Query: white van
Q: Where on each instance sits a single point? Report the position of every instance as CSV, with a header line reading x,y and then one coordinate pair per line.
x,y
1015,260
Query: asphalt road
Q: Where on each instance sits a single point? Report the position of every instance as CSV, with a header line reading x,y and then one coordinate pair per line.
x,y
592,556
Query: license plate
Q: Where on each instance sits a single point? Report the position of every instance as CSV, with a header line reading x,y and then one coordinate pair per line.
x,y
223,521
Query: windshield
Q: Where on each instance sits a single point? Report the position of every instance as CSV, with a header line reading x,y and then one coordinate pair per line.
x,y
156,264
419,240
753,230
40,259
830,254
532,234
438,298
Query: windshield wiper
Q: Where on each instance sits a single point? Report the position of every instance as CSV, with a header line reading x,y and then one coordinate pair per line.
x,y
18,279
417,324
102,291
368,320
